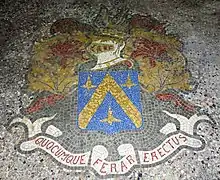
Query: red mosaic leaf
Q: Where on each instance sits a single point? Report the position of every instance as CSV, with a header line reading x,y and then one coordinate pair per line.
x,y
146,48
146,22
176,100
40,103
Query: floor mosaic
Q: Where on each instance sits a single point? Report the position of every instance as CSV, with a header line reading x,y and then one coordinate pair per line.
x,y
107,92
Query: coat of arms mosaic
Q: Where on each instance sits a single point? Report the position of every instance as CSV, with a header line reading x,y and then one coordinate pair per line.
x,y
107,94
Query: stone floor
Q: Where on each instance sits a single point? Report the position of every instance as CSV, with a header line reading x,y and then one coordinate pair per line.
x,y
110,90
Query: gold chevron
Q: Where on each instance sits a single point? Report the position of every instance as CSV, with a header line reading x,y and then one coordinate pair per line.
x,y
109,85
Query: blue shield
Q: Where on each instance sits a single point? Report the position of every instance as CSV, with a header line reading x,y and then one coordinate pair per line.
x,y
109,101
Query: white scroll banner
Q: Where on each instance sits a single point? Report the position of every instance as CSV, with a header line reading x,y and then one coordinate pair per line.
x,y
168,147
99,153
57,151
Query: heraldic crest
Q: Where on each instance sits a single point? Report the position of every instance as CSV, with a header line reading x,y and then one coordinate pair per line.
x,y
106,95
